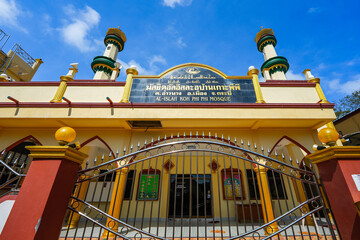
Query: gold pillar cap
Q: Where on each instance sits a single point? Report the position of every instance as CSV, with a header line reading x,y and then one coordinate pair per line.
x,y
314,80
132,71
3,79
253,71
39,60
306,70
65,78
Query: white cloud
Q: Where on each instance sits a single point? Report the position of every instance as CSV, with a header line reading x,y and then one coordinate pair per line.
x,y
139,68
320,67
151,69
9,13
46,23
76,33
290,75
172,3
313,10
180,43
345,87
156,59
353,62
175,36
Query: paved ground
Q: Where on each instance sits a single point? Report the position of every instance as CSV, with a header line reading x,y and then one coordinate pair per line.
x,y
196,230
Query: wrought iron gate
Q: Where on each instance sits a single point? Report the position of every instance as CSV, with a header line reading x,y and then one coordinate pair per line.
x,y
196,187
13,168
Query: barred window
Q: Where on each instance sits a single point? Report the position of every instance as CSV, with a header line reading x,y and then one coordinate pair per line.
x,y
276,185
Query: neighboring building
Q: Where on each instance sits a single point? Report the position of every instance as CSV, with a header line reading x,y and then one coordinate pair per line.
x,y
349,127
17,65
193,145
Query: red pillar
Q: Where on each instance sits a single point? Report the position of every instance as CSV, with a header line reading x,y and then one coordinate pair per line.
x,y
40,207
336,165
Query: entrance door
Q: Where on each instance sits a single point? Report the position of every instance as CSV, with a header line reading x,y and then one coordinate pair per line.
x,y
190,196
201,196
179,196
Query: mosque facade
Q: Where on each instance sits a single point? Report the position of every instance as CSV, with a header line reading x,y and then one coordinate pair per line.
x,y
191,152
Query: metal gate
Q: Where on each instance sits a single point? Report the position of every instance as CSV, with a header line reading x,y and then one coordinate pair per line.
x,y
197,187
13,168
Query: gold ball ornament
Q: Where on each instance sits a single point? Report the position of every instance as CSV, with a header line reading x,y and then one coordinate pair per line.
x,y
65,135
328,136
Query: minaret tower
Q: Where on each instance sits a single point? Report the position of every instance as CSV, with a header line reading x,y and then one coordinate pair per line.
x,y
274,67
105,67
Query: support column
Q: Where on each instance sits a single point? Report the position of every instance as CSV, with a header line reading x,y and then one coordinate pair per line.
x,y
61,89
265,197
255,78
130,73
116,201
63,83
301,197
311,79
40,207
319,90
339,167
80,192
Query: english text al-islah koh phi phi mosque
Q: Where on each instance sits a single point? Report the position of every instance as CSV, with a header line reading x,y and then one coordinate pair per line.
x,y
189,153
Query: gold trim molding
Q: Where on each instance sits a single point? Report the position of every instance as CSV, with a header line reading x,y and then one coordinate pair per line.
x,y
336,152
314,80
57,152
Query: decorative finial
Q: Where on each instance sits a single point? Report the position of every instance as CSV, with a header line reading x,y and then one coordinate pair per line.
x,y
65,135
73,70
4,78
308,74
261,27
328,137
132,70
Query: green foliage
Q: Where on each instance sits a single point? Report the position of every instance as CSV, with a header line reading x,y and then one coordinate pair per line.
x,y
347,104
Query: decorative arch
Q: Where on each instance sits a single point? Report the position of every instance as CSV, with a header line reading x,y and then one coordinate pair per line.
x,y
30,137
291,140
296,143
101,140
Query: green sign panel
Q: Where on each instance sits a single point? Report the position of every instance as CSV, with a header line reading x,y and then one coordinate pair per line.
x,y
148,188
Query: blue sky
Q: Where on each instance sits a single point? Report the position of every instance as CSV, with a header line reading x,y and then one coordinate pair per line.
x,y
320,35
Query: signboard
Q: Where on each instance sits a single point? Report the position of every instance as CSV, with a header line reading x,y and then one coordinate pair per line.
x,y
192,85
148,187
356,178
232,184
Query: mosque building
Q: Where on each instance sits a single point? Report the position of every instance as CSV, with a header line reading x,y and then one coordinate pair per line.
x,y
191,152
